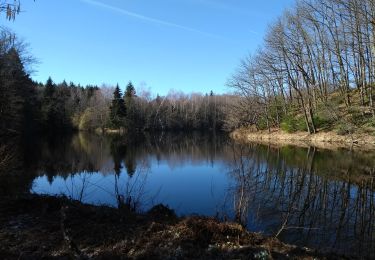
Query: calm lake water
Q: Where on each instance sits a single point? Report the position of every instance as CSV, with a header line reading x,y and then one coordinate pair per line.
x,y
315,198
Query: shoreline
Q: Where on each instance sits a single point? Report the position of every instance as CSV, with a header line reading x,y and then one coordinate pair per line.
x,y
324,140
33,226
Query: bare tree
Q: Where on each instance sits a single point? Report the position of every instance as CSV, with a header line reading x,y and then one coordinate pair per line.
x,y
314,49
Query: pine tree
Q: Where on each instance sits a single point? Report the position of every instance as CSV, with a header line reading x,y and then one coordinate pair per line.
x,y
54,116
117,109
130,91
49,112
212,111
17,95
49,89
131,117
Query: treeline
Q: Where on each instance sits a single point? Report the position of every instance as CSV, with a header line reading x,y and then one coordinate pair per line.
x,y
316,67
176,111
28,107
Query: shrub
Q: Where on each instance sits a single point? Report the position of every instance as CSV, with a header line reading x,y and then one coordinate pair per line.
x,y
288,126
345,129
356,116
293,124
371,122
262,124
322,121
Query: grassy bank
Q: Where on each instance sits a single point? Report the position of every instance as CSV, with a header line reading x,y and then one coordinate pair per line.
x,y
322,139
37,227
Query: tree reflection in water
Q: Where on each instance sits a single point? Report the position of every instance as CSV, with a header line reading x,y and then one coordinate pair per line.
x,y
302,202
306,196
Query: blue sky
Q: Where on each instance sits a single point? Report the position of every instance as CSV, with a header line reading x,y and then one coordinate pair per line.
x,y
187,45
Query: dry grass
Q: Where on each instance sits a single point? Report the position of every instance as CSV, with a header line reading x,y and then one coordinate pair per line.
x,y
30,229
325,140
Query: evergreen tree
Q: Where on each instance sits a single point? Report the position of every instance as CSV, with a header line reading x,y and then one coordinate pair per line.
x,y
129,92
117,109
17,95
64,84
212,111
54,116
49,111
132,124
49,89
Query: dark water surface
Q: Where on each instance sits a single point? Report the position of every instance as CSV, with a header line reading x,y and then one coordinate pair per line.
x,y
311,197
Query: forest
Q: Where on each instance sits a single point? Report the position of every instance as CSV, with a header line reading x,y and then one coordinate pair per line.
x,y
314,70
31,107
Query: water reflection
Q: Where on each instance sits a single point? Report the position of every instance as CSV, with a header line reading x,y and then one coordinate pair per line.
x,y
311,197
176,169
307,201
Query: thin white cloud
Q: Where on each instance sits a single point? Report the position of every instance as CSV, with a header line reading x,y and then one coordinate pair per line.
x,y
148,19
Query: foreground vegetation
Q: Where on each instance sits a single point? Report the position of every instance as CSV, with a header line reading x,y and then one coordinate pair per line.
x,y
45,227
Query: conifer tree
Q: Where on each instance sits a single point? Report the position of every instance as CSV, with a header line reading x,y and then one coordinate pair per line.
x,y
49,113
117,109
16,94
131,117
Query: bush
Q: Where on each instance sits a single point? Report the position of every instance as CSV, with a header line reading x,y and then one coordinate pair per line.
x,y
293,124
345,129
322,121
262,124
288,126
371,122
356,116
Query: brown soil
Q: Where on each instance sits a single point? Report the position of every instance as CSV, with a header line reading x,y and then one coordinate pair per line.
x,y
37,227
325,140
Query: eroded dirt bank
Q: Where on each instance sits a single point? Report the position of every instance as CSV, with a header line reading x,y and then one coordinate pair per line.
x,y
324,140
38,227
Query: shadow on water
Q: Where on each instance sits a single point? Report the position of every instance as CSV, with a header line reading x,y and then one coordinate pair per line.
x,y
310,197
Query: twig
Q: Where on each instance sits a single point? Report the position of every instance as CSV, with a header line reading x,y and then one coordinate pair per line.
x,y
283,226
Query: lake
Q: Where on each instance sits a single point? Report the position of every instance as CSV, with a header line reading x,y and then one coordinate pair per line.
x,y
306,196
